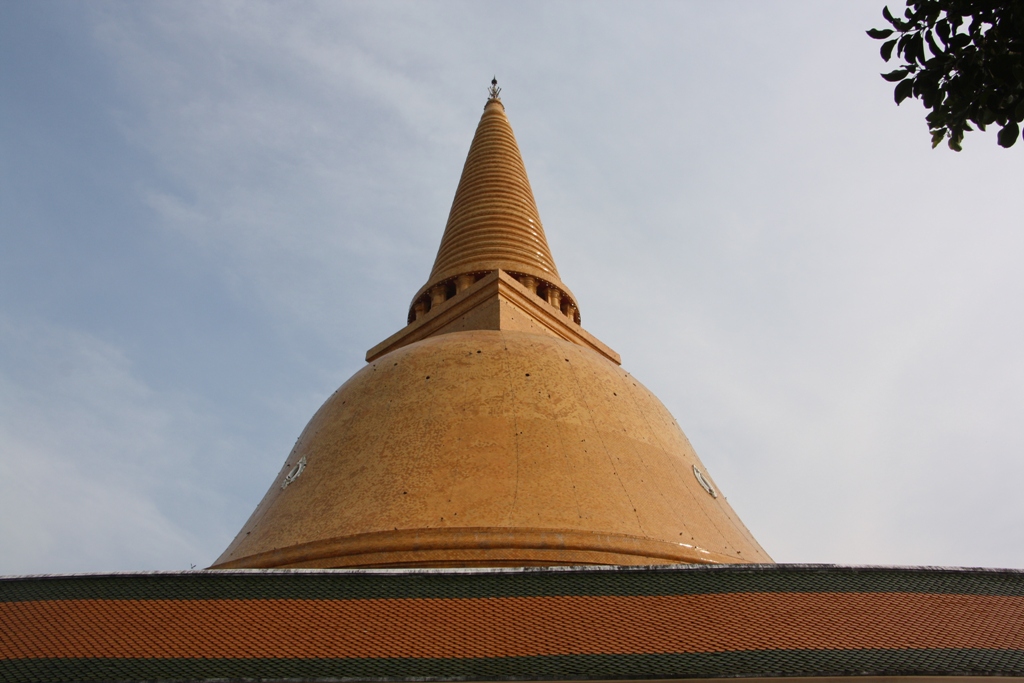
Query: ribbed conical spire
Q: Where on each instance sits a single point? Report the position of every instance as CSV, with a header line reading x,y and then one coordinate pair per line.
x,y
494,223
494,217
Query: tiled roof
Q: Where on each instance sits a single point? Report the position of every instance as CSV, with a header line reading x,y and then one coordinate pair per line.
x,y
547,624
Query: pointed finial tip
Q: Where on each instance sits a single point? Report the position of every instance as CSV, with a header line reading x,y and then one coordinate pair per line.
x,y
494,91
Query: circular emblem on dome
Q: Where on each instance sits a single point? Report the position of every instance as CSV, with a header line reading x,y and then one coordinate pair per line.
x,y
295,472
705,484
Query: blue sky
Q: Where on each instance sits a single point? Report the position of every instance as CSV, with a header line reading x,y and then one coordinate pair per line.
x,y
209,211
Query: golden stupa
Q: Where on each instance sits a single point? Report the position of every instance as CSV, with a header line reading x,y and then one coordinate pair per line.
x,y
492,430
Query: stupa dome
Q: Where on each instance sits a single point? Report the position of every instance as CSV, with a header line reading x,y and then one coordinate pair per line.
x,y
492,447
492,430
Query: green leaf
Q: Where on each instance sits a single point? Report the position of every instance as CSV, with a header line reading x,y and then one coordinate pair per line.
x,y
902,46
918,47
903,90
886,14
1009,134
879,33
937,137
886,50
936,119
897,75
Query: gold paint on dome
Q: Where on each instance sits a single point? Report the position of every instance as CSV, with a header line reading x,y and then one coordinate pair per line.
x,y
492,430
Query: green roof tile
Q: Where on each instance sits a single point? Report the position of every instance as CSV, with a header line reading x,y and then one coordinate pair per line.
x,y
384,584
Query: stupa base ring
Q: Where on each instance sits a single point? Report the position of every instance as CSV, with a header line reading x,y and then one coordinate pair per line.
x,y
479,547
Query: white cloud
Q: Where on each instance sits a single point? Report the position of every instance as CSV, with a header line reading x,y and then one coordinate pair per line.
x,y
85,449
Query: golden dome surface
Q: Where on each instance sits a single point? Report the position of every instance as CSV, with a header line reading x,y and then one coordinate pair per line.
x,y
491,447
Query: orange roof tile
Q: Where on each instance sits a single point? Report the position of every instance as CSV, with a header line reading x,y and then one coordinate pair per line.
x,y
550,624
